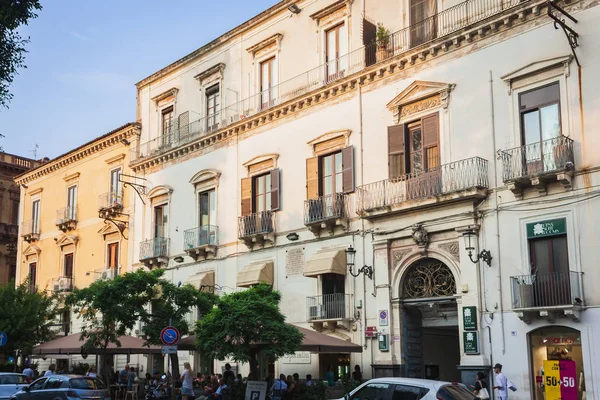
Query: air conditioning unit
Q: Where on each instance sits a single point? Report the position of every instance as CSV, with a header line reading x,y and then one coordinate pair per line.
x,y
64,284
56,288
316,312
107,274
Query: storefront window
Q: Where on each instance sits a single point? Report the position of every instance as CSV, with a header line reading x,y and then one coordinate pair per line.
x,y
557,344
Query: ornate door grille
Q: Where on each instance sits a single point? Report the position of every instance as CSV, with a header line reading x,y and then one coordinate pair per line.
x,y
428,278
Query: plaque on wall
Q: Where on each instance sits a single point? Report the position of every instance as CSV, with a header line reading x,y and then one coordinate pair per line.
x,y
294,262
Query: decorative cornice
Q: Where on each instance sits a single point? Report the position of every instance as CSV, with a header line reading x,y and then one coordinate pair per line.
x,y
65,240
537,67
501,22
115,159
103,142
271,40
330,9
261,158
451,248
171,92
219,68
330,135
71,177
36,191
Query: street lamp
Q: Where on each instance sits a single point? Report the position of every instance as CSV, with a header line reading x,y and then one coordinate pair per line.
x,y
365,269
484,255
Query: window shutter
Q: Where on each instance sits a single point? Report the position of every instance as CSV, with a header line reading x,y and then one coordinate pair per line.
x,y
275,191
184,125
246,196
395,151
431,131
348,169
312,178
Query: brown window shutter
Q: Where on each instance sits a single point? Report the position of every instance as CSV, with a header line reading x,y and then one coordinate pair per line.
x,y
348,169
275,191
246,196
431,138
396,151
312,178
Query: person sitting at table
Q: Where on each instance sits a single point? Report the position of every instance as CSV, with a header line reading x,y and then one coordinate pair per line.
x,y
123,375
131,377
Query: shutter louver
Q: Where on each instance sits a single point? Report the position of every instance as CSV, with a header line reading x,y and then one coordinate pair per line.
x,y
431,129
246,196
312,178
348,169
275,189
396,151
184,125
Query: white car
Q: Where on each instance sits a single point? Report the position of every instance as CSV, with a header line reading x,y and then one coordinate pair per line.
x,y
409,389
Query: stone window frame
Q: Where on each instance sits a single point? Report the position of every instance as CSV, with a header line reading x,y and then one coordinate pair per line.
x,y
203,181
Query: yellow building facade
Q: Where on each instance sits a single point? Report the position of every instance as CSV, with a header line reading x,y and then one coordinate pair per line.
x,y
74,216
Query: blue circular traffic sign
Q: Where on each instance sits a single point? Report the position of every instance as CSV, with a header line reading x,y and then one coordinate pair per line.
x,y
169,335
3,338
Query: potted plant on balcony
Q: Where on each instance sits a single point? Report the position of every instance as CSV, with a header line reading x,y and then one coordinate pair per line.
x,y
382,41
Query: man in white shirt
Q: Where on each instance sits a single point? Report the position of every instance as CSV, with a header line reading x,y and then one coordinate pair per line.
x,y
501,383
51,370
28,372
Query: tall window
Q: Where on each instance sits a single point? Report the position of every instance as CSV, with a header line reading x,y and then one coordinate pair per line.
x,y
12,273
336,46
331,174
207,208
549,255
112,250
68,265
262,192
213,102
267,82
160,221
540,114
72,203
35,216
422,21
14,212
167,123
32,276
115,187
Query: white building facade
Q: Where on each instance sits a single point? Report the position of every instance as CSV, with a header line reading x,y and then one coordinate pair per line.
x,y
268,152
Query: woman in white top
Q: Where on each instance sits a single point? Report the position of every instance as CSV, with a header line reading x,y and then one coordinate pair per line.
x,y
92,372
187,379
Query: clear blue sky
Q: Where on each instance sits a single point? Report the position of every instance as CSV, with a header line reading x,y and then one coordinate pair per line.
x,y
85,57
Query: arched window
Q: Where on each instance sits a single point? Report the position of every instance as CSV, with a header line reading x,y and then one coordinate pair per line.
x,y
428,277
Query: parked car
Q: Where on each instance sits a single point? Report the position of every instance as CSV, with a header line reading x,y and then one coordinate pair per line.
x,y
409,389
11,382
64,387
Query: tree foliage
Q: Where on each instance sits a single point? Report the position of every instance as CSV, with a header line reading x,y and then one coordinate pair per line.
x,y
246,324
13,14
26,317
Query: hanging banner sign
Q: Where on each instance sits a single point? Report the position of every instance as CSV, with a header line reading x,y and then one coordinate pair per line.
x,y
560,380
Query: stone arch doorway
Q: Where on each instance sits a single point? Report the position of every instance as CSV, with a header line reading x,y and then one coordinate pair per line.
x,y
429,326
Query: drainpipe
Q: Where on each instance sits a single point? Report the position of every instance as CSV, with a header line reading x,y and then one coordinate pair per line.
x,y
498,257
362,223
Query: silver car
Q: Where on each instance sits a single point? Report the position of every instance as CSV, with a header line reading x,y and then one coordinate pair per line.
x,y
409,389
67,387
11,382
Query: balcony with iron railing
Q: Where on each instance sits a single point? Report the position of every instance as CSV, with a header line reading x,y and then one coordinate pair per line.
x,y
538,164
110,203
201,241
442,24
329,307
8,231
155,252
62,285
66,218
106,274
459,180
257,228
30,230
547,295
327,212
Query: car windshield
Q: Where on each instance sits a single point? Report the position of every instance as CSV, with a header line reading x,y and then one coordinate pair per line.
x,y
454,392
86,383
12,380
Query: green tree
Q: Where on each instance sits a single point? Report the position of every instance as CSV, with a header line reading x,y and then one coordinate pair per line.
x,y
111,308
27,317
246,324
173,306
13,13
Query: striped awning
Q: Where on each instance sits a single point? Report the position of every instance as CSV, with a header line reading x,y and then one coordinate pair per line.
x,y
255,273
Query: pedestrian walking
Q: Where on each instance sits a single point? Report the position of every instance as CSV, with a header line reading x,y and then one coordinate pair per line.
x,y
357,375
187,379
278,388
480,389
503,383
329,377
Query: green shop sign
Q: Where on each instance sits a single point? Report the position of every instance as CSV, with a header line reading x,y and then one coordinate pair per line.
x,y
470,318
550,227
471,342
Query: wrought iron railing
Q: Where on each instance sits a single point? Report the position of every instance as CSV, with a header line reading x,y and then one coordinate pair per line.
x,y
546,290
67,214
110,200
259,223
201,236
9,229
30,228
329,307
441,24
325,208
537,158
62,284
447,178
154,248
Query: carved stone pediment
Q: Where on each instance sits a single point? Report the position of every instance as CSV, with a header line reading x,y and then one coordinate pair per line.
x,y
420,96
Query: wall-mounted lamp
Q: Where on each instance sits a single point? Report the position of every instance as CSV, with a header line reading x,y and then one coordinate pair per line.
x,y
294,8
292,236
484,255
365,269
178,259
